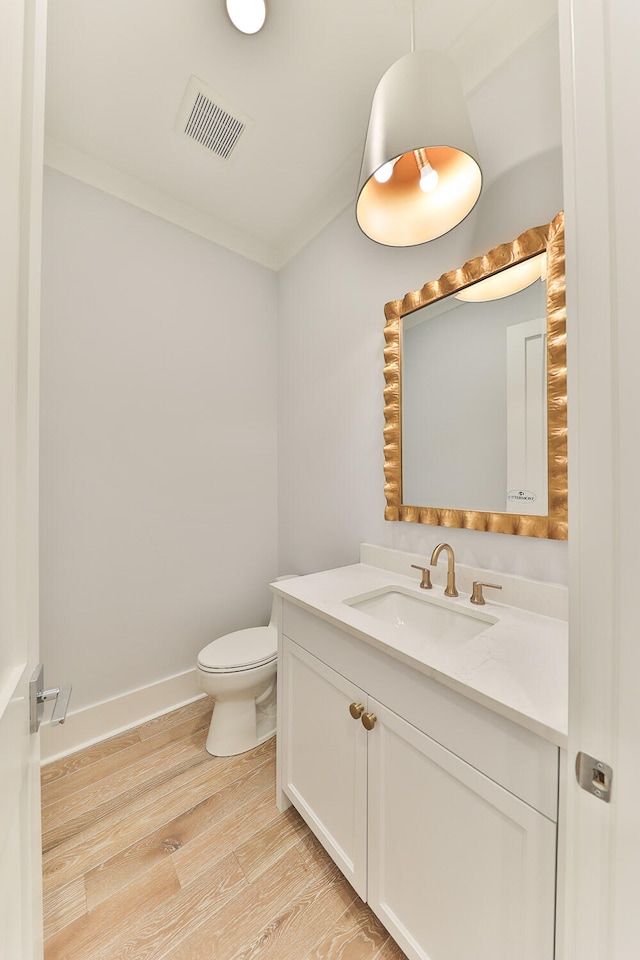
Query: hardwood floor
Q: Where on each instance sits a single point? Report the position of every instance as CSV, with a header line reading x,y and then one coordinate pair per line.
x,y
153,850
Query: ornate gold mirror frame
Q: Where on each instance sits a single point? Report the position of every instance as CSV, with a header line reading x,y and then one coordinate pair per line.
x,y
549,237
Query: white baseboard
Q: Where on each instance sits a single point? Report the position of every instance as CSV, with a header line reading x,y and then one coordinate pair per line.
x,y
103,720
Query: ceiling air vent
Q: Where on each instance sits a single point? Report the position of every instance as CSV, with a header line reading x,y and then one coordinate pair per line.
x,y
209,120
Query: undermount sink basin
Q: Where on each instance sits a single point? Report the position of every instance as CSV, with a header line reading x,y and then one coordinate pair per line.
x,y
432,618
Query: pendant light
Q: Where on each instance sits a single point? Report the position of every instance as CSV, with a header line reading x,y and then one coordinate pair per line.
x,y
247,16
420,174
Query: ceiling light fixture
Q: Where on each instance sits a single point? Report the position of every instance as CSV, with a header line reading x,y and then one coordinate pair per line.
x,y
420,173
248,16
503,284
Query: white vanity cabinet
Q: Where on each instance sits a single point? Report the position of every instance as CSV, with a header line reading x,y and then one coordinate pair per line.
x,y
325,759
450,837
457,866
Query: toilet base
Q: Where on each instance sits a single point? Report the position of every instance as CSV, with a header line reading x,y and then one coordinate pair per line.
x,y
238,726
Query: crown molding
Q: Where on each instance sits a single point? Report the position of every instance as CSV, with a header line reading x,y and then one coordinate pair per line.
x,y
336,194
60,156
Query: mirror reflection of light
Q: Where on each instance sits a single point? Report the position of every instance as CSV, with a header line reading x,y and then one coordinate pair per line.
x,y
507,282
248,16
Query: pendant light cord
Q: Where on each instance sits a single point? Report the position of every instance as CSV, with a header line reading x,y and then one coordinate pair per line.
x,y
413,26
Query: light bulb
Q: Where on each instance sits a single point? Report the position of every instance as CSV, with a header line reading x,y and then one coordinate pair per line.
x,y
428,178
383,173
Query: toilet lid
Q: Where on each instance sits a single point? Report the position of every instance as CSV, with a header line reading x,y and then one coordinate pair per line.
x,y
240,650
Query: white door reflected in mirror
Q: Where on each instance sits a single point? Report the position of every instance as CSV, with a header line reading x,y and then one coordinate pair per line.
x,y
474,422
527,488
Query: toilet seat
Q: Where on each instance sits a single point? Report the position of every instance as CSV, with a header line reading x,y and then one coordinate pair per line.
x,y
240,650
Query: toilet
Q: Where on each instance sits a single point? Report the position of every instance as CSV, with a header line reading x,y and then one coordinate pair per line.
x,y
239,671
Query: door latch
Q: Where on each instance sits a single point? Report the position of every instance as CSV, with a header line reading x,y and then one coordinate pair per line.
x,y
38,696
594,776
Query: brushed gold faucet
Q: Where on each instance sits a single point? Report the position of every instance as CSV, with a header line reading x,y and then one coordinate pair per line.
x,y
476,595
425,583
451,568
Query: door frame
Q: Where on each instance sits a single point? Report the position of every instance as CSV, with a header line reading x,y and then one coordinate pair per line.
x,y
24,57
600,74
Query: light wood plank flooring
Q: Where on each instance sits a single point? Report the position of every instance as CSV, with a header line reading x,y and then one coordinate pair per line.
x,y
153,850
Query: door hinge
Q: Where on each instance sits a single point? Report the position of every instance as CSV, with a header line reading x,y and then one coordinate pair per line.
x,y
594,776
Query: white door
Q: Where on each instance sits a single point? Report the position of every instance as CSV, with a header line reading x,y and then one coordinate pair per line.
x,y
458,866
324,770
601,144
22,59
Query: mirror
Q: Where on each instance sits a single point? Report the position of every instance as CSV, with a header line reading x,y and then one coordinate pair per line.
x,y
475,396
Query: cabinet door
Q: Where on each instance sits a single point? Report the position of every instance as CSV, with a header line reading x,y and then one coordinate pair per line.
x,y
458,866
324,759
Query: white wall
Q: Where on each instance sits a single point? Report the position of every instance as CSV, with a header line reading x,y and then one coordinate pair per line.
x,y
331,324
159,507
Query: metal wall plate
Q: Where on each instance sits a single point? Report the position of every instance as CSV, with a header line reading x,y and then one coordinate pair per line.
x,y
594,776
38,696
36,706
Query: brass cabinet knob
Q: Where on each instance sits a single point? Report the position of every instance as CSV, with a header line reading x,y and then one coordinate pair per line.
x,y
369,720
356,710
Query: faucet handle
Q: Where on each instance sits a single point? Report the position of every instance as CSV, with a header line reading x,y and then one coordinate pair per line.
x,y
476,596
425,583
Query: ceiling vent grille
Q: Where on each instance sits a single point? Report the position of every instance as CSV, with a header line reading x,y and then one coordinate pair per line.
x,y
213,127
210,121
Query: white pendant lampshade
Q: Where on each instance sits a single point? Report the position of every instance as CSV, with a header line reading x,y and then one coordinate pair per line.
x,y
420,174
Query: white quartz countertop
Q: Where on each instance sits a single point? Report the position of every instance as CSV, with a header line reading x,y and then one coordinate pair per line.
x,y
516,666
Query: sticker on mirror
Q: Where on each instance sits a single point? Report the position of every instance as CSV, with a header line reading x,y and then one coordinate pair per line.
x,y
521,495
